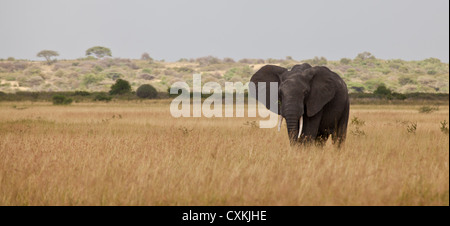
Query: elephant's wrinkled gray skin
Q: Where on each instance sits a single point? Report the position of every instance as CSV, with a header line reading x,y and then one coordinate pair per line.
x,y
315,97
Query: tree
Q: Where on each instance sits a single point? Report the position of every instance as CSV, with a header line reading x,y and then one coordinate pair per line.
x,y
365,56
146,91
98,51
120,87
47,54
382,90
146,56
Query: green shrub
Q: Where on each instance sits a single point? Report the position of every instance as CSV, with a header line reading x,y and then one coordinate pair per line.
x,y
146,91
114,75
403,80
120,87
428,109
356,87
444,127
61,100
345,61
412,127
382,90
102,97
82,93
350,72
97,69
91,78
147,70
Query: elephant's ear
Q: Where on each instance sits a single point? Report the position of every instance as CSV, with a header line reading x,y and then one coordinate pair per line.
x,y
266,75
323,89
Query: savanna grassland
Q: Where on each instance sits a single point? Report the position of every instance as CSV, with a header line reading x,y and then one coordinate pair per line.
x,y
363,74
136,153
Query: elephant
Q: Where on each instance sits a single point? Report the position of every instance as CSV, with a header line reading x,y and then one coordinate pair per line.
x,y
313,100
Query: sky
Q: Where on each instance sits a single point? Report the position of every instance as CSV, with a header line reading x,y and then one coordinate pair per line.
x,y
174,29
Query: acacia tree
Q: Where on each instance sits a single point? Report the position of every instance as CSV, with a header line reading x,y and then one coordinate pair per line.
x,y
47,54
98,51
146,56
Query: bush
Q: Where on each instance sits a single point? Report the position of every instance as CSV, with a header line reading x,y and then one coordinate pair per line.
x,y
102,97
82,93
208,60
61,100
146,76
364,56
345,61
404,80
428,109
382,90
319,61
146,56
120,87
146,91
90,78
114,75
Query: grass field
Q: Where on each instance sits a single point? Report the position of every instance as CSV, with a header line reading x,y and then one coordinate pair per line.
x,y
136,153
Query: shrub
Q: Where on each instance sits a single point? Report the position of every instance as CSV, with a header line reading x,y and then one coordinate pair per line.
x,y
102,97
146,91
120,87
91,78
382,90
59,73
320,61
356,87
146,76
364,56
403,80
114,75
412,128
146,56
61,100
97,69
208,60
35,80
444,127
428,109
228,60
345,61
350,72
184,70
147,70
82,93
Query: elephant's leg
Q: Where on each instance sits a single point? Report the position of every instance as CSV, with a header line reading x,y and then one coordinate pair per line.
x,y
310,128
322,138
340,133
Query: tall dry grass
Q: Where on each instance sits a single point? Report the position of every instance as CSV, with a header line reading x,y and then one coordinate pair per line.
x,y
137,154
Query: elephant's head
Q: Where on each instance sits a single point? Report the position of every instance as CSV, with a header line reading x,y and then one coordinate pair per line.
x,y
302,91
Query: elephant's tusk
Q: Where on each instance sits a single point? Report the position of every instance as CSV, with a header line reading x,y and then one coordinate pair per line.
x,y
300,125
280,120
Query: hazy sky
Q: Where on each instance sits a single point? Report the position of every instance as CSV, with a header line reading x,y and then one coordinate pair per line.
x,y
170,30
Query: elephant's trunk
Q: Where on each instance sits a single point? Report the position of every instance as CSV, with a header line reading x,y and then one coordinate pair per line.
x,y
292,123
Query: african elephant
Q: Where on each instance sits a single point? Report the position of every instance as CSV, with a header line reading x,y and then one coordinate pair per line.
x,y
313,100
